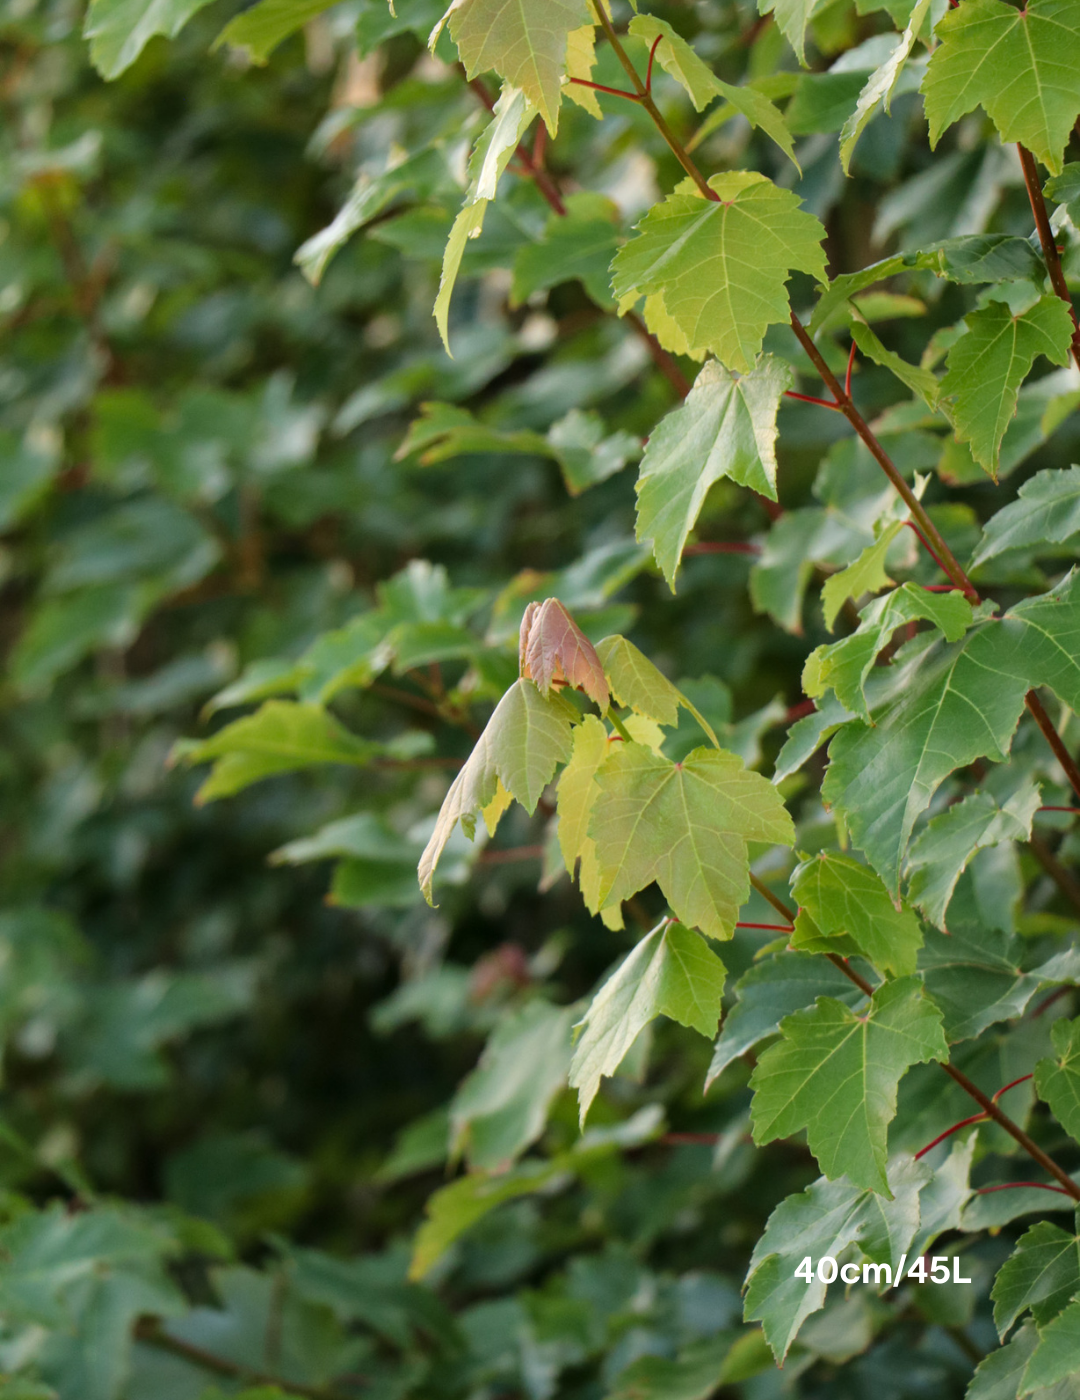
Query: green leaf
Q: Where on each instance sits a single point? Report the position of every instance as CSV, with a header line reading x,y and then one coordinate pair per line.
x,y
846,666
826,1220
772,989
279,737
974,976
948,705
792,16
636,683
694,1375
501,1108
987,366
260,29
1022,66
836,1074
941,854
1046,511
686,826
578,245
524,43
672,972
525,740
725,428
1057,1081
1054,1359
880,84
998,1376
676,57
119,30
866,575
1065,189
922,382
1042,1273
578,791
722,265
844,897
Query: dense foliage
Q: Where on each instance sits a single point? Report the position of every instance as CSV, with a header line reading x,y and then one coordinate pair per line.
x,y
724,720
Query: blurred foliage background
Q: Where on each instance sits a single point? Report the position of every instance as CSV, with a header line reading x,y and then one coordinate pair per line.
x,y
227,1061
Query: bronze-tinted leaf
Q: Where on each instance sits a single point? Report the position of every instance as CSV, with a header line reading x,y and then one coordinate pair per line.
x,y
553,649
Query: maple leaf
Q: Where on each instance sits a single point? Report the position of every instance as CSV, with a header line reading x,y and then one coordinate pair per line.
x,y
880,84
725,428
1046,511
1057,1081
722,265
524,41
525,740
836,1074
1021,65
987,366
684,825
844,897
553,650
1042,1274
672,972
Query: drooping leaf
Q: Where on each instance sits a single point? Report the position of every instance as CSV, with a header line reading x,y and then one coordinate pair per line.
x,y
922,382
826,1220
553,650
844,897
836,1075
641,686
768,992
792,16
265,25
949,704
578,791
1046,511
942,853
1057,1081
880,84
119,30
502,1106
525,44
676,57
722,264
685,826
987,366
845,666
1021,66
1042,1274
672,972
580,62
974,976
279,737
865,575
725,428
525,740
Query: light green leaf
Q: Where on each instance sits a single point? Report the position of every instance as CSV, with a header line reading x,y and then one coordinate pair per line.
x,y
578,792
827,1220
672,972
792,16
1046,511
1057,1082
636,683
501,1108
880,84
525,740
987,366
523,41
844,897
948,705
279,737
1022,66
922,382
722,265
845,666
119,30
866,575
726,427
685,826
942,853
1055,1358
1042,1273
836,1074
772,989
260,29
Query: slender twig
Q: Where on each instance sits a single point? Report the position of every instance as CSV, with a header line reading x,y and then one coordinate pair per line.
x,y
150,1332
600,87
1022,1080
1046,1004
850,367
1049,245
964,1123
812,398
1065,881
1014,1185
778,928
1057,809
1054,739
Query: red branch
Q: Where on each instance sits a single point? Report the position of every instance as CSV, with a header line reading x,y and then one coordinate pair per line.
x,y
1013,1185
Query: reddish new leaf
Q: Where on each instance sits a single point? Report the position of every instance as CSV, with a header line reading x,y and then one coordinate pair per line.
x,y
553,650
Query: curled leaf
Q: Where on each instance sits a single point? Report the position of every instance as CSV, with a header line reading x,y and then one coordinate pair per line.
x,y
553,650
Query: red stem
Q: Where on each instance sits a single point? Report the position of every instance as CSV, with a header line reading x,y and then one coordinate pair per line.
x,y
850,364
1022,1080
652,55
1013,1185
599,87
927,546
1058,809
809,398
964,1123
779,928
